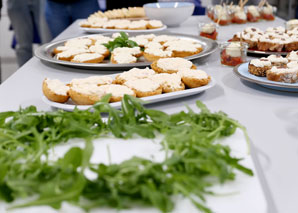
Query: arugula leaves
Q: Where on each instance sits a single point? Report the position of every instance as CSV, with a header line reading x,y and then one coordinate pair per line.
x,y
120,41
196,162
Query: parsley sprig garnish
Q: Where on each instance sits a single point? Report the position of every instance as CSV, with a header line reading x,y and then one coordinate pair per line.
x,y
120,41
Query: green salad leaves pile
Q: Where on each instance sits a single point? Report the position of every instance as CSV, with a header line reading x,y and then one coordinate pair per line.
x,y
194,160
120,41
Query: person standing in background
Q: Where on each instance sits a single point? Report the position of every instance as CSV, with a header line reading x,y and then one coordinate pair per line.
x,y
61,13
24,16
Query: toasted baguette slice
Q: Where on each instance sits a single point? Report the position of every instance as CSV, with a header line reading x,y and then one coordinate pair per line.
x,y
55,90
144,87
132,74
169,82
117,91
88,58
194,78
171,65
123,58
183,54
85,94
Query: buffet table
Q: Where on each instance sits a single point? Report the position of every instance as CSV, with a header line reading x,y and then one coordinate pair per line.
x,y
271,117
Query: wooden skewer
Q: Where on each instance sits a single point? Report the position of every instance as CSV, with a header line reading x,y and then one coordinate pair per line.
x,y
244,3
262,3
259,5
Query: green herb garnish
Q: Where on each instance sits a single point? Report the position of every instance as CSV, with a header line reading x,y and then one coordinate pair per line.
x,y
196,161
120,41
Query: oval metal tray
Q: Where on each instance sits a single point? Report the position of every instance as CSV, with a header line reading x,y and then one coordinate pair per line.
x,y
103,30
44,53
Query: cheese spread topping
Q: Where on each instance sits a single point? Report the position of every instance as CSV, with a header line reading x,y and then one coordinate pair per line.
x,y
292,24
241,15
293,56
253,10
117,90
71,52
260,63
100,39
124,58
281,70
173,63
149,37
64,48
100,49
122,24
88,89
165,38
191,73
209,28
57,86
143,85
234,49
158,52
138,24
293,64
268,9
277,59
182,45
78,42
115,35
252,30
136,73
168,80
140,41
127,50
153,44
86,57
155,23
97,80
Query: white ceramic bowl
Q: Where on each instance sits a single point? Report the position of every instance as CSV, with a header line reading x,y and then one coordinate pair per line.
x,y
170,13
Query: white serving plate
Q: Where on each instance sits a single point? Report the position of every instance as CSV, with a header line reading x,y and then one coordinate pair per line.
x,y
244,194
242,72
103,30
69,105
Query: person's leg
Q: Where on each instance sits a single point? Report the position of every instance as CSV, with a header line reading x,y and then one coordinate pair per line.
x,y
21,21
83,8
36,14
57,17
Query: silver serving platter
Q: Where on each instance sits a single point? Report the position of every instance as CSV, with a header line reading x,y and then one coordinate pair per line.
x,y
259,52
44,53
103,30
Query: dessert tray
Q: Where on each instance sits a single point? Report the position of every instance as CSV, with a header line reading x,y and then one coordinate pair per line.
x,y
70,105
259,52
242,72
44,53
103,30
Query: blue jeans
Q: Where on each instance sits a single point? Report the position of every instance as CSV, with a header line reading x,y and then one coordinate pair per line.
x,y
22,14
60,15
